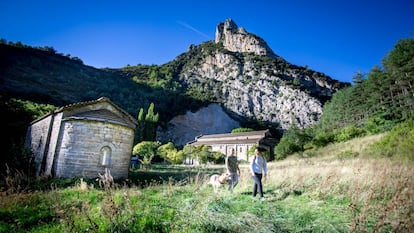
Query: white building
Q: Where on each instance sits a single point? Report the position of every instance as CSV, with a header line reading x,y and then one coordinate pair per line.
x,y
240,142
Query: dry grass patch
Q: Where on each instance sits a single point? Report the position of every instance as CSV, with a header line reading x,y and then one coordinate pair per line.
x,y
380,192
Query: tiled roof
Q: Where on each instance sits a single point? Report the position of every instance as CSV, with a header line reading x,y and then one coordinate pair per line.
x,y
100,115
252,137
93,113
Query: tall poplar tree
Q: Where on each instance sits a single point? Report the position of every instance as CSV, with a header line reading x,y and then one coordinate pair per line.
x,y
147,126
151,121
139,132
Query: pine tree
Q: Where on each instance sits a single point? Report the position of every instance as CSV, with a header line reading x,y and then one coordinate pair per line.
x,y
386,95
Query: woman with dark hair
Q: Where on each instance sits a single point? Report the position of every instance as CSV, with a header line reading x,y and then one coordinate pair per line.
x,y
258,169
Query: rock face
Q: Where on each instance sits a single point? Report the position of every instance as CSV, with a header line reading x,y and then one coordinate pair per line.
x,y
241,73
207,120
237,39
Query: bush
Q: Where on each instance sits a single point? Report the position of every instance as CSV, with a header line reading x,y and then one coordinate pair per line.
x,y
285,147
217,157
322,139
398,143
169,152
348,133
378,124
293,140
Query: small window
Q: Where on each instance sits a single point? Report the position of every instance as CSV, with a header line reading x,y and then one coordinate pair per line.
x,y
105,156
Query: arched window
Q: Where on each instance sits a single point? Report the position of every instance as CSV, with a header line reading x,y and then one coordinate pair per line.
x,y
106,156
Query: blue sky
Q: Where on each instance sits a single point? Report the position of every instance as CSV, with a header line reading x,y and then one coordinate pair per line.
x,y
337,38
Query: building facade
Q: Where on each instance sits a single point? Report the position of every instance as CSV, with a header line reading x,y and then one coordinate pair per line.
x,y
82,140
240,142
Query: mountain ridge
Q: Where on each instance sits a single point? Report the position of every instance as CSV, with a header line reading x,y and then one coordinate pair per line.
x,y
237,70
212,65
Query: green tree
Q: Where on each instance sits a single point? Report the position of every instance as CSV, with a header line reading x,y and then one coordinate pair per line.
x,y
169,152
293,140
399,64
145,151
378,102
190,152
240,130
147,126
202,153
151,121
358,77
139,132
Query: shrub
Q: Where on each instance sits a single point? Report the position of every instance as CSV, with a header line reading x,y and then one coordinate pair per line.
x,y
293,140
347,133
217,157
322,139
378,124
398,143
145,151
285,147
169,152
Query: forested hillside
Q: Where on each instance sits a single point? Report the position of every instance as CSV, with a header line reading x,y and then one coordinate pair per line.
x,y
34,81
383,95
44,76
376,103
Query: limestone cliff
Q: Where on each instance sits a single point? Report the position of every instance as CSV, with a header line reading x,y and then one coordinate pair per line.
x,y
237,39
207,120
239,71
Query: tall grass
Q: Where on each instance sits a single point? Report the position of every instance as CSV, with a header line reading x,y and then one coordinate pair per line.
x,y
338,190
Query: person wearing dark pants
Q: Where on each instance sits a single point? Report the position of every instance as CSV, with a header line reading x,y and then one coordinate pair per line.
x,y
258,169
258,186
233,170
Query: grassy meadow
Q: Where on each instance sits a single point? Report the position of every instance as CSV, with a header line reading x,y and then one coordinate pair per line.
x,y
338,188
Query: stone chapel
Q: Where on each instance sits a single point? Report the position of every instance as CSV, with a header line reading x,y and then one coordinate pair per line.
x,y
82,140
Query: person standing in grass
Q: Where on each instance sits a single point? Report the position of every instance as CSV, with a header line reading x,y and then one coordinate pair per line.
x,y
258,169
232,170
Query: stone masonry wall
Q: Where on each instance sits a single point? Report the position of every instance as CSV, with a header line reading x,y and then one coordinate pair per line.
x,y
79,153
36,138
54,137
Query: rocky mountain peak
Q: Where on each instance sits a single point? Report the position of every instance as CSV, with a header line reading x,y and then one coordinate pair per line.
x,y
237,39
250,83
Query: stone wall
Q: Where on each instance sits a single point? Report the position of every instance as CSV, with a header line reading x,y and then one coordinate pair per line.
x,y
36,141
80,151
53,141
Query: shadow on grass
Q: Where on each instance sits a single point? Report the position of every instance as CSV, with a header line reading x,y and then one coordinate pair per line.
x,y
275,194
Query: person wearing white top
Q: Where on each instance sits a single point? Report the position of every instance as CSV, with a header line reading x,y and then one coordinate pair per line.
x,y
258,169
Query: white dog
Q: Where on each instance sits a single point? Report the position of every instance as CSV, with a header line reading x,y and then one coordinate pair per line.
x,y
217,180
